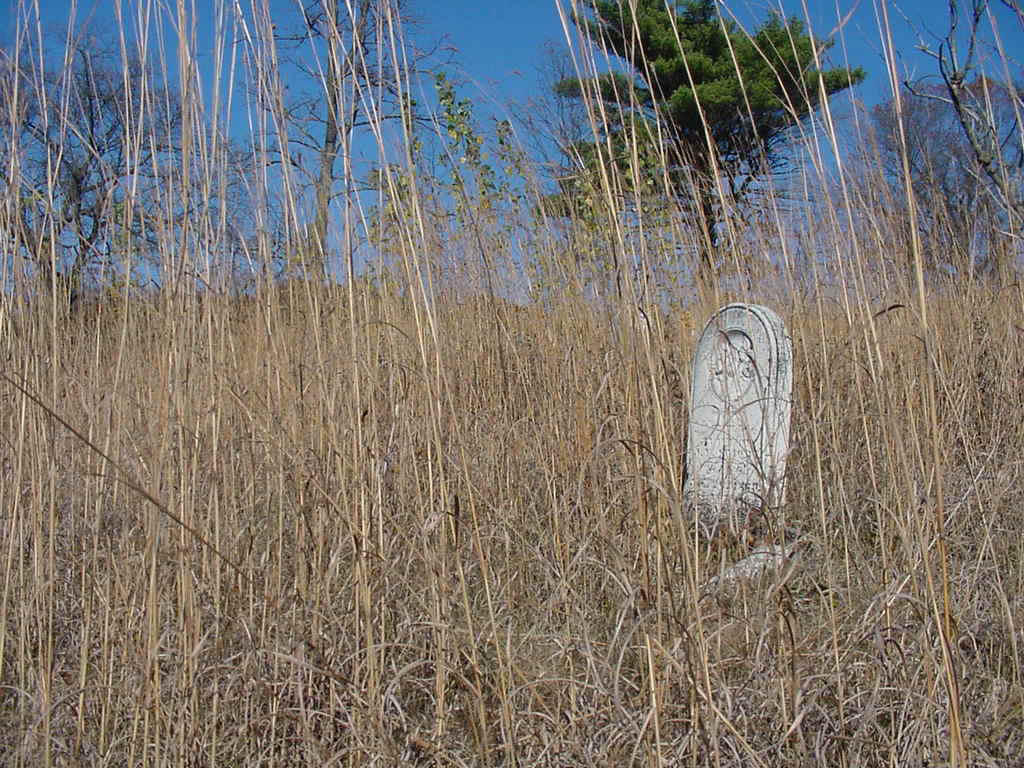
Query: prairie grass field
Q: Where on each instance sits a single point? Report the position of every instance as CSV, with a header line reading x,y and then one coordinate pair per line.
x,y
427,508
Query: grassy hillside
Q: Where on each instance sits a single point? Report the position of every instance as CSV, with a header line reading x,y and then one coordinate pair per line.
x,y
347,532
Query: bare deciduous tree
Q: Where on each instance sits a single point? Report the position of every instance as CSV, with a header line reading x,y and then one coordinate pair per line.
x,y
92,158
88,143
959,208
989,113
353,77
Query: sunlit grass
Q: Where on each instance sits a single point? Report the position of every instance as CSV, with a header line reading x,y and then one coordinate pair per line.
x,y
407,521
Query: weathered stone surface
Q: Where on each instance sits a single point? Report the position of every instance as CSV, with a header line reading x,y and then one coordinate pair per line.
x,y
779,560
740,405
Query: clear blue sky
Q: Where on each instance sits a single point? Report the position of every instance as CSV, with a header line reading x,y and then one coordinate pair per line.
x,y
497,45
495,48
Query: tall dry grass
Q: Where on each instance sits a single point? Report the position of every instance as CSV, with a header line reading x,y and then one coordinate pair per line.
x,y
406,521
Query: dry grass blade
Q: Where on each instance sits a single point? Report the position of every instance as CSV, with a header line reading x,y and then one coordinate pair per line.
x,y
121,476
337,429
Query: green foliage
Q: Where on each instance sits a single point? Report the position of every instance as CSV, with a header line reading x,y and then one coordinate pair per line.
x,y
692,78
469,180
475,185
464,157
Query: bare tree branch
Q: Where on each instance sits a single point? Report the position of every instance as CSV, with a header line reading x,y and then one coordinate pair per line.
x,y
971,101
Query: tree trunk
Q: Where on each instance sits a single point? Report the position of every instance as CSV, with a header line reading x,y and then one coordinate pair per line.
x,y
317,251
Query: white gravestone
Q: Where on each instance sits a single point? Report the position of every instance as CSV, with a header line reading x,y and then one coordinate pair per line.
x,y
740,404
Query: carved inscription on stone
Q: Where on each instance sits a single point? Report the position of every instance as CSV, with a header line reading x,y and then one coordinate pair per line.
x,y
740,404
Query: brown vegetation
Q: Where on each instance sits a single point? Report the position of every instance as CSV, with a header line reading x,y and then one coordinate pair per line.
x,y
371,545
381,523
